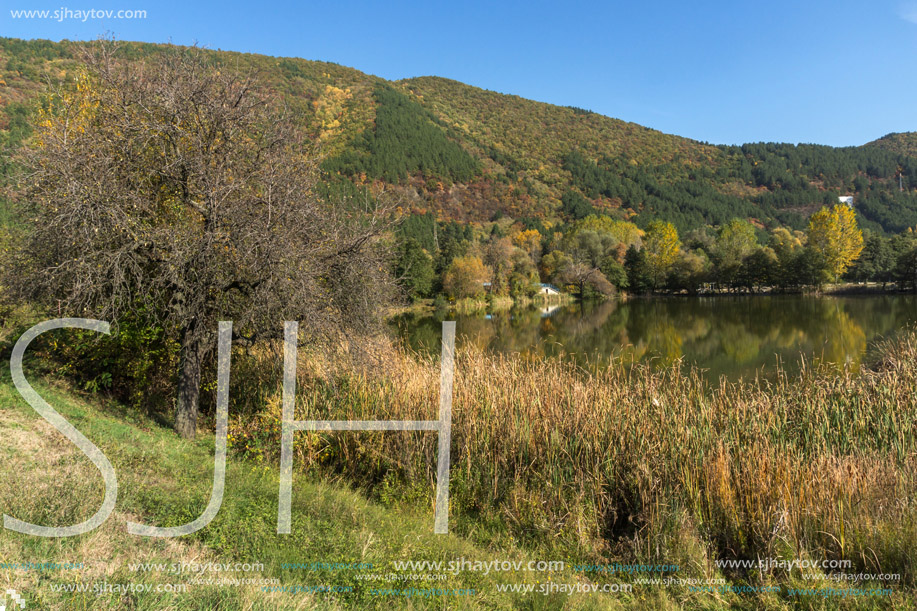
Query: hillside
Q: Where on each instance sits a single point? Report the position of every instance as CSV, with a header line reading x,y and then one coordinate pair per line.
x,y
467,153
900,143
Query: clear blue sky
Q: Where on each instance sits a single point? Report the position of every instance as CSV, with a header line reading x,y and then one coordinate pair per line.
x,y
832,72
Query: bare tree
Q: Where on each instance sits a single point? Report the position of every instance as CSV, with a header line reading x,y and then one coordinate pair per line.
x,y
581,275
180,191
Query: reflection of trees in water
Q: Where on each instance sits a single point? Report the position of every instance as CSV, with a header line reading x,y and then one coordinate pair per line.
x,y
591,332
753,333
662,344
417,332
738,343
844,342
517,331
727,335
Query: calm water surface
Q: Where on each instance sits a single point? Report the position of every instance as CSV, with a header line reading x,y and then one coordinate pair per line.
x,y
725,336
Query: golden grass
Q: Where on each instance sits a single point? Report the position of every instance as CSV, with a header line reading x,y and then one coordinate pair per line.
x,y
624,462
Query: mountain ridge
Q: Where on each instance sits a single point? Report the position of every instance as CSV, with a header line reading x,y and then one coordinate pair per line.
x,y
468,153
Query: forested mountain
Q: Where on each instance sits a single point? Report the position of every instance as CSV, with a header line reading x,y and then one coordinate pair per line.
x,y
467,154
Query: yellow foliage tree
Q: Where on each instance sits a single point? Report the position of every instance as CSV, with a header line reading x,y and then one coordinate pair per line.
x,y
833,234
623,231
465,277
329,109
67,112
529,241
661,244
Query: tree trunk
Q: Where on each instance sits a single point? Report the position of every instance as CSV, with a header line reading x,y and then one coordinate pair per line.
x,y
189,383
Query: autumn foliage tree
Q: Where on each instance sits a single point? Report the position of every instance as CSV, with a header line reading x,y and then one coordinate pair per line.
x,y
834,237
529,241
465,277
181,193
734,242
661,245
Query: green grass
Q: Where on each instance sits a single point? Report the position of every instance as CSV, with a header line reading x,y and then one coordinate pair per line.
x,y
166,481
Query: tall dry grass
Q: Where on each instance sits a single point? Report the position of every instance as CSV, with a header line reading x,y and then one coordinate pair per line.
x,y
632,463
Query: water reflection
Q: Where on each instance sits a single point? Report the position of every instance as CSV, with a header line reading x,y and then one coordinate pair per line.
x,y
732,336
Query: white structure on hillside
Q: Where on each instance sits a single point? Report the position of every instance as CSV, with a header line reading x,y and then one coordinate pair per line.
x,y
548,289
846,199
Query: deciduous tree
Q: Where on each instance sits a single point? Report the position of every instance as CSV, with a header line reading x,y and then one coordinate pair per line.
x,y
833,234
661,246
180,193
465,277
735,241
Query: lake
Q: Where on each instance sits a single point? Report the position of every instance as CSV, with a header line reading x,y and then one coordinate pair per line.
x,y
732,336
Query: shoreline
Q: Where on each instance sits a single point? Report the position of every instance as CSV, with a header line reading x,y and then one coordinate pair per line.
x,y
427,306
827,290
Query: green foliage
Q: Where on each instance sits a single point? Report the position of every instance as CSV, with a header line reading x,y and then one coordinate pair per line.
x,y
342,192
575,206
876,262
414,269
440,305
589,247
735,241
18,127
809,176
536,155
406,140
667,191
906,269
454,239
614,272
420,228
135,364
17,130
690,271
639,276
553,264
758,269
776,182
432,132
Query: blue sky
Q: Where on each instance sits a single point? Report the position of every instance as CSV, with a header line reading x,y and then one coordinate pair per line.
x,y
839,73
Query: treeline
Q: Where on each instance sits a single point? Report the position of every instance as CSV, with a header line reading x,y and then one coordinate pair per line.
x,y
598,256
668,191
527,158
779,184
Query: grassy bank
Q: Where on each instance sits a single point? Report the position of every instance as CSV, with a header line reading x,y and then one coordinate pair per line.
x,y
166,481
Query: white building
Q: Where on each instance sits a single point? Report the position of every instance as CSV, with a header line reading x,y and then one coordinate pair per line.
x,y
548,290
846,199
